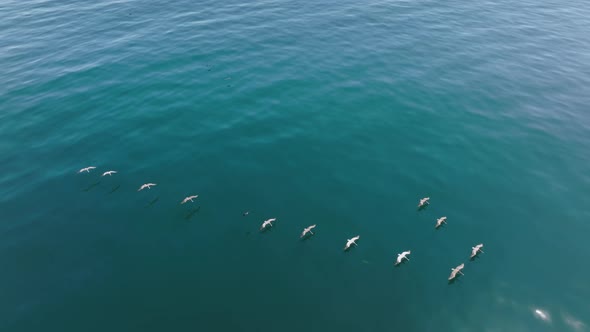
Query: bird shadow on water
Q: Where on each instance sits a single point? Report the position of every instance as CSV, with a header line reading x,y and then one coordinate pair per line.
x,y
454,280
397,266
266,230
91,186
423,207
192,213
305,238
474,258
115,188
154,201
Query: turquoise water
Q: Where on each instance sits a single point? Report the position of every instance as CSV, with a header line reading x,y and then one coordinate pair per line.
x,y
336,113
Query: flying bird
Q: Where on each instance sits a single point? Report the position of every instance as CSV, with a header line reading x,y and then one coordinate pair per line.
x,y
109,173
455,271
86,169
189,198
424,201
476,250
267,222
350,242
307,230
402,256
147,185
440,221
246,213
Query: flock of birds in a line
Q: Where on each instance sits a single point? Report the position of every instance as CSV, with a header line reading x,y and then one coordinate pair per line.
x,y
307,231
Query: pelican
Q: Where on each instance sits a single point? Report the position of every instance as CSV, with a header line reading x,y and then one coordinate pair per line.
x,y
424,201
456,270
476,250
400,257
189,198
307,230
440,221
109,173
147,185
267,223
86,169
350,242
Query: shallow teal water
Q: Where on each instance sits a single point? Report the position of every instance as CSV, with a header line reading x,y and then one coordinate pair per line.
x,y
341,114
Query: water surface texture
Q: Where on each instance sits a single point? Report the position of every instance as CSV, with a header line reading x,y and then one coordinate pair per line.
x,y
336,113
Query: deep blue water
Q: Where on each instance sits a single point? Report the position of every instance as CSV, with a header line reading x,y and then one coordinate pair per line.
x,y
336,113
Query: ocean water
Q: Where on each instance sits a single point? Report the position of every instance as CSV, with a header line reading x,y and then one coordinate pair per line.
x,y
336,113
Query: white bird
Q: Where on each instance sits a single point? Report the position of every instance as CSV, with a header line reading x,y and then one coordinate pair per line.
x,y
400,257
350,242
86,169
267,223
109,173
307,230
476,250
456,270
440,221
147,185
541,314
424,201
189,198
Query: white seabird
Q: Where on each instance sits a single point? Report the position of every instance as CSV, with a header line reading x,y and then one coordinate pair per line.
x,y
402,256
476,250
109,173
455,271
147,185
189,198
307,230
267,222
440,221
86,169
424,201
350,242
